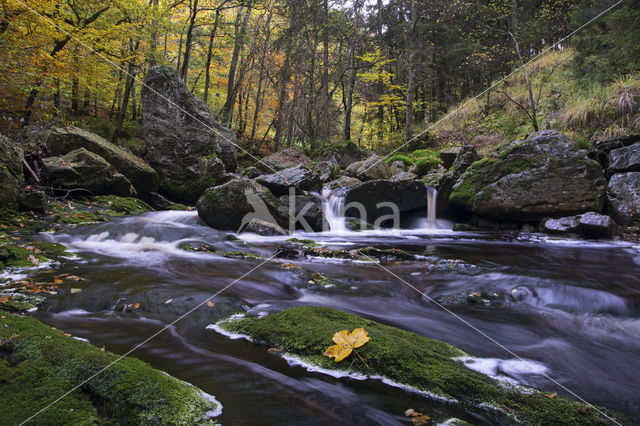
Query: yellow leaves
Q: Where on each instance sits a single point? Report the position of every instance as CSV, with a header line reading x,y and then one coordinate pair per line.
x,y
210,304
417,419
4,299
346,343
551,395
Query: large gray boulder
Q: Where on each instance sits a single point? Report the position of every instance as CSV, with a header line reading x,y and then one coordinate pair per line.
x,y
234,204
283,159
623,197
11,177
466,156
543,176
306,208
343,182
325,171
407,195
373,168
185,145
449,155
62,140
587,225
345,154
626,159
300,177
82,169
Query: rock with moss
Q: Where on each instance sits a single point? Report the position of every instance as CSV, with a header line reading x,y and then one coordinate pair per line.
x,y
82,169
283,159
543,176
373,168
35,201
626,159
306,209
449,155
300,178
62,140
185,145
352,169
11,177
234,204
40,363
261,227
427,365
342,182
325,171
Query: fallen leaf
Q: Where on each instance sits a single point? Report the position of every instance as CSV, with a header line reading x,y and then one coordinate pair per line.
x,y
4,299
346,342
410,412
551,395
57,280
75,278
583,409
134,305
33,259
275,350
420,419
75,290
166,302
210,304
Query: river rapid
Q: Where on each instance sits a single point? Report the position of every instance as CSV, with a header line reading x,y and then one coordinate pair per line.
x,y
568,309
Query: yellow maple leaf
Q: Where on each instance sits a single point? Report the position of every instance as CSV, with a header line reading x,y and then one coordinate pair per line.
x,y
346,343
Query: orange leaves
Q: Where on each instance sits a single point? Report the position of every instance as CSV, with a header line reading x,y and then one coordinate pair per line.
x,y
417,419
4,299
345,343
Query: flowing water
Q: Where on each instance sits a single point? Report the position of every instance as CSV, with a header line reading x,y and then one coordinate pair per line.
x,y
570,309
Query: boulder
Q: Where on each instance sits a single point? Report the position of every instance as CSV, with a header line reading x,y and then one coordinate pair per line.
x,y
352,169
623,197
407,195
308,207
325,171
403,176
261,227
283,159
343,182
448,156
232,205
251,172
373,168
466,156
185,145
82,169
11,177
626,159
62,140
344,154
588,225
299,177
543,176
35,201
396,167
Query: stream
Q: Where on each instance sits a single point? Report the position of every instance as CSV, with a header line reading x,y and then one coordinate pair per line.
x,y
570,309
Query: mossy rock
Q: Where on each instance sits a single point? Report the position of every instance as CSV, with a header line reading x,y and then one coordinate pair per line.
x,y
409,359
123,205
305,243
39,364
242,255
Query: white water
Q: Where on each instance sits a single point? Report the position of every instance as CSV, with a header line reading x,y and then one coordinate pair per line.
x,y
333,208
432,193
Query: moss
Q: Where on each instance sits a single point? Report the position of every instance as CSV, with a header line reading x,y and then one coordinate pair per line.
x,y
126,205
336,170
197,246
40,363
21,302
409,359
178,207
50,249
14,256
408,161
242,255
306,243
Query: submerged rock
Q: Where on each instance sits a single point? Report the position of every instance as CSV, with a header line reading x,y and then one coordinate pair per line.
x,y
39,361
408,359
82,169
11,177
233,204
545,175
62,140
623,197
187,147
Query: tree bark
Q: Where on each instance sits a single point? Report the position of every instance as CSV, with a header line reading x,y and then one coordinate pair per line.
x,y
207,76
184,72
408,120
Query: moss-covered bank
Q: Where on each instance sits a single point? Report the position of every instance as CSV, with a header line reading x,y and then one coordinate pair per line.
x,y
38,364
409,359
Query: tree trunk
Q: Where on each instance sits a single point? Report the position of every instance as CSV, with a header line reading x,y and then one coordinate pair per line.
x,y
240,29
408,117
131,72
260,80
324,124
184,72
75,95
207,76
346,130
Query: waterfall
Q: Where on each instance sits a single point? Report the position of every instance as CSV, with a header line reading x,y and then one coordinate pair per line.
x,y
333,208
432,194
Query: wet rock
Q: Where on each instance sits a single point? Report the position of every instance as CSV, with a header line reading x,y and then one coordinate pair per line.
x,y
35,201
373,168
406,195
449,155
403,176
260,227
325,171
623,197
366,254
588,225
356,225
352,169
185,145
233,204
251,172
11,177
306,210
543,176
343,182
62,140
344,154
520,294
626,159
82,169
283,159
300,178
466,156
